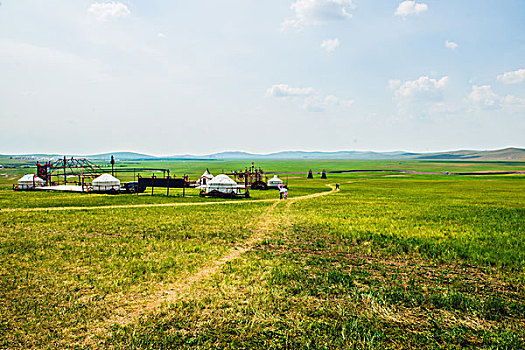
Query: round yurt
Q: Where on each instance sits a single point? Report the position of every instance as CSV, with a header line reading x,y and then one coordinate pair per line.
x,y
205,178
106,183
29,181
274,182
222,183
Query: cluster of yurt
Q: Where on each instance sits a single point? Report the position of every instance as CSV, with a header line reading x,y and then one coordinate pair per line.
x,y
29,182
106,183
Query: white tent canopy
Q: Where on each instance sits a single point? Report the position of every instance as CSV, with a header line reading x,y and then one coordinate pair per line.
x,y
205,178
222,183
106,182
207,174
30,181
275,182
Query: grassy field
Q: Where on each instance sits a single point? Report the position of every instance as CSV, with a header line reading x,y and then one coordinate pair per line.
x,y
390,261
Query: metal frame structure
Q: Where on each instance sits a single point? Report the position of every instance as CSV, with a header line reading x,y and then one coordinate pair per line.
x,y
68,167
83,170
252,177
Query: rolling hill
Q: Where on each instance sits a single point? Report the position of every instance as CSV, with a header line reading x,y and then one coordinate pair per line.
x,y
506,154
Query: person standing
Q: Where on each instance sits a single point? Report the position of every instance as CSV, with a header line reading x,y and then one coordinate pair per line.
x,y
281,191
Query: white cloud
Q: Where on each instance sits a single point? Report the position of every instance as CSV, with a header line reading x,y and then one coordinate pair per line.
x,y
308,12
320,104
483,98
285,90
312,100
421,88
162,35
418,97
518,76
103,11
408,7
451,45
329,45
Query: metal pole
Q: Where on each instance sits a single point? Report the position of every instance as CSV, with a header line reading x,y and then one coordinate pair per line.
x,y
152,183
112,166
65,181
168,187
184,186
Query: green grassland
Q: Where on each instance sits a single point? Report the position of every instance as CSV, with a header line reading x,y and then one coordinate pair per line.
x,y
390,261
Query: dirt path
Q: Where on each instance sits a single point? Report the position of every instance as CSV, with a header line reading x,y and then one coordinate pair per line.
x,y
140,306
127,206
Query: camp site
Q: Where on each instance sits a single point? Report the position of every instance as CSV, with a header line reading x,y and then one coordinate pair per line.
x,y
262,175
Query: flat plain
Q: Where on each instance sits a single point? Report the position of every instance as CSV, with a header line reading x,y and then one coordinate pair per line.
x,y
391,260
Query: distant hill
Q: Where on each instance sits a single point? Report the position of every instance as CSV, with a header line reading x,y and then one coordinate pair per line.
x,y
102,156
511,153
121,156
506,154
515,154
299,155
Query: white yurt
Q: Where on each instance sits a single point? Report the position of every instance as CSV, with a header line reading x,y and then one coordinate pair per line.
x,y
274,182
222,183
105,183
29,181
205,178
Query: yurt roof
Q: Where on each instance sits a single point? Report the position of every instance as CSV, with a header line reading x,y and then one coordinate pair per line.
x,y
29,178
222,179
275,179
106,178
207,174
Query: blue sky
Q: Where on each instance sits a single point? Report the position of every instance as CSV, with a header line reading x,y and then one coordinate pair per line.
x,y
174,77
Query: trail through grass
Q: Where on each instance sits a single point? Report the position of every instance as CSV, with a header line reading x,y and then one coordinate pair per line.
x,y
142,306
411,261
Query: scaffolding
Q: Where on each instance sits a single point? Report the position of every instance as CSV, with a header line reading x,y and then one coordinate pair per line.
x,y
68,171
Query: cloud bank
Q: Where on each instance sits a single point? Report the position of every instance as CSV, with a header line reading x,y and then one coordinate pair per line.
x,y
311,12
312,101
104,11
515,77
285,90
329,45
410,8
451,45
418,97
483,98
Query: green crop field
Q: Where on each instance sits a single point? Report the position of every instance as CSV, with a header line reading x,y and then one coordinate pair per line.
x,y
410,261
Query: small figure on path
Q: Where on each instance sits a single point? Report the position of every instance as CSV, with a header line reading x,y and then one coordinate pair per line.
x,y
336,186
285,193
282,191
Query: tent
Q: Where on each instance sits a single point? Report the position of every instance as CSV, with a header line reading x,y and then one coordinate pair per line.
x,y
29,181
207,176
274,182
222,183
106,183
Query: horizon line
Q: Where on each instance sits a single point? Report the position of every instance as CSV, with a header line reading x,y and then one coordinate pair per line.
x,y
261,154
